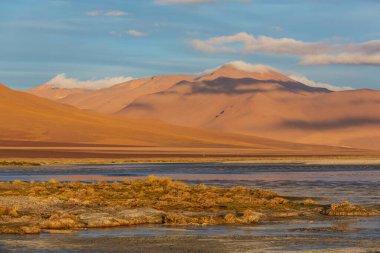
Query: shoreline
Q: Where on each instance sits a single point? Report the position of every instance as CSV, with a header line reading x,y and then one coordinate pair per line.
x,y
297,160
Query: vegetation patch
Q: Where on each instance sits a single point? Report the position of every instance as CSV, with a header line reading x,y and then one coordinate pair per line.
x,y
347,209
18,163
29,207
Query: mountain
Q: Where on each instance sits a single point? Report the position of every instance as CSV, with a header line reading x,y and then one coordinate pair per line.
x,y
266,103
246,99
51,92
27,120
27,117
239,69
109,100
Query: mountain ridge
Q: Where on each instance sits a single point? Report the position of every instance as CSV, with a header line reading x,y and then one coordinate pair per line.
x,y
246,99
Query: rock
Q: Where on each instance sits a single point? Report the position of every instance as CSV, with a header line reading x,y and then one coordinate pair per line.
x,y
141,215
98,220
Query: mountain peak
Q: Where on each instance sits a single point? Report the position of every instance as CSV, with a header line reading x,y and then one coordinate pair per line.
x,y
241,69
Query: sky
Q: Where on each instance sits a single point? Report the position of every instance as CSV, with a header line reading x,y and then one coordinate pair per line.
x,y
329,41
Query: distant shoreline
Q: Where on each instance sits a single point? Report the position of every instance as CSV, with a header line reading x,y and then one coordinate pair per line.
x,y
312,160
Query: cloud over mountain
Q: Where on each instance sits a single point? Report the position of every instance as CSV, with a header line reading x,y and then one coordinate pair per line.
x,y
61,81
309,52
303,79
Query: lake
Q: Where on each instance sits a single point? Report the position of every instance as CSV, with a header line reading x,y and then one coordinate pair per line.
x,y
326,184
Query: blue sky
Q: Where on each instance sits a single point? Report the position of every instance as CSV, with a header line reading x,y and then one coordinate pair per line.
x,y
331,41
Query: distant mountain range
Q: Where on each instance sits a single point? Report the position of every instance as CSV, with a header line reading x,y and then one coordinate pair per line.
x,y
55,130
240,98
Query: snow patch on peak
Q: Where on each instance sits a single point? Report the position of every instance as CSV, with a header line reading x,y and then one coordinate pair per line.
x,y
247,67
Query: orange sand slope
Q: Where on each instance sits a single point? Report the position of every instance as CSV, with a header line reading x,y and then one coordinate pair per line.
x,y
26,118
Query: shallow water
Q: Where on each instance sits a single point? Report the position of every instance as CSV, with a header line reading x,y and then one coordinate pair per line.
x,y
358,184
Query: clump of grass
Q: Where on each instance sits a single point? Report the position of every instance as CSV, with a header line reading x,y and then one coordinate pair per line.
x,y
53,181
18,163
9,211
310,202
345,208
64,221
153,192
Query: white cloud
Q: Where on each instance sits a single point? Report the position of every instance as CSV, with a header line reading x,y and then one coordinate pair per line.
x,y
308,52
343,58
205,46
303,79
61,81
250,43
185,1
114,13
135,33
132,32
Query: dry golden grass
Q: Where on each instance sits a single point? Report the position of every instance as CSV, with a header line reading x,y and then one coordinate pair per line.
x,y
347,209
28,207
